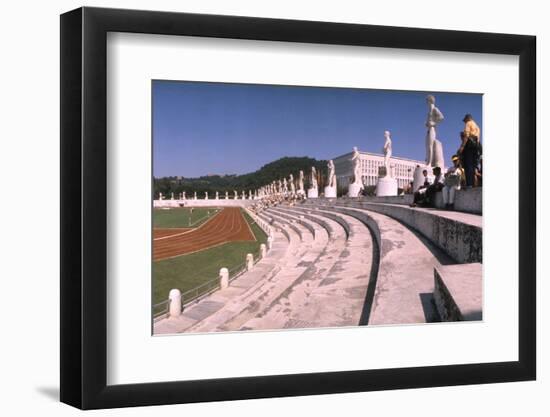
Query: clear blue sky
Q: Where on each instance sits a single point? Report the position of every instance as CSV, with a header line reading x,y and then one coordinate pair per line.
x,y
218,128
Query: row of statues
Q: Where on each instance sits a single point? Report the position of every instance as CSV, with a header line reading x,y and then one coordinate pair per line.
x,y
386,185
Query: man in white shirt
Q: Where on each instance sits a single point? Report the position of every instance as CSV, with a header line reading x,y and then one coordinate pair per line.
x,y
453,178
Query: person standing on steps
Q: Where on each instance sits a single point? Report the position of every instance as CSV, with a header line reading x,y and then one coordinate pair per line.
x,y
470,148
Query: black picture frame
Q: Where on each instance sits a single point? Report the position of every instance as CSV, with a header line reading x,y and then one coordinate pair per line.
x,y
84,207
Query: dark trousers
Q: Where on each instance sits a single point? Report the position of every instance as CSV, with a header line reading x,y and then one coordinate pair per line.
x,y
469,156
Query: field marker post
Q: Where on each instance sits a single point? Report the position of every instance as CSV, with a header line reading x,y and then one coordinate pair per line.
x,y
224,278
249,261
263,250
175,302
269,241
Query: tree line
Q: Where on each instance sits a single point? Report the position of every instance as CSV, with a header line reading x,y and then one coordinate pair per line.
x,y
274,171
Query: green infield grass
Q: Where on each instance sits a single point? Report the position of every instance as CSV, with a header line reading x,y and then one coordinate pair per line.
x,y
189,271
182,217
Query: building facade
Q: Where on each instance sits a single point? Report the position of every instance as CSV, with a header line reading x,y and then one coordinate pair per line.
x,y
402,168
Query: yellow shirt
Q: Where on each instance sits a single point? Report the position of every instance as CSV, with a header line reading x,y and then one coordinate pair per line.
x,y
471,129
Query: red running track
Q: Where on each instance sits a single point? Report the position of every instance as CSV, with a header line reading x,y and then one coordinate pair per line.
x,y
229,225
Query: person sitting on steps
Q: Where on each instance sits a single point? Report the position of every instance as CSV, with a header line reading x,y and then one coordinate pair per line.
x,y
426,199
453,179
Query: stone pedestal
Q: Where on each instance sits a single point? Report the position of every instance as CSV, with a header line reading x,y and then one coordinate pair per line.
x,y
439,159
386,186
418,178
330,192
312,193
354,190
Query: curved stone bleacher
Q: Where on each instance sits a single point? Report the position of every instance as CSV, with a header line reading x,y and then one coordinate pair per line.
x,y
258,299
458,234
331,293
345,263
292,219
286,224
437,238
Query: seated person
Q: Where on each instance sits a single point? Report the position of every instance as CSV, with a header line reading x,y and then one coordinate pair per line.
x,y
425,196
453,179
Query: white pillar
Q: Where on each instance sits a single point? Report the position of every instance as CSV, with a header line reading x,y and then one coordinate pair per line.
x,y
269,242
175,303
224,278
249,261
263,250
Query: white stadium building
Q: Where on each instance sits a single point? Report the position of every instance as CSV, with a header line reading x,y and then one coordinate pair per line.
x,y
402,168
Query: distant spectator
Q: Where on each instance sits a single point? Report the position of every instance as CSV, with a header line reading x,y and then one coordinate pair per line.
x,y
453,178
425,197
470,148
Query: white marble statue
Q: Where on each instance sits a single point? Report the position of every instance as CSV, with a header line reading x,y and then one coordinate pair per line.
x,y
206,195
434,117
285,186
217,196
243,195
235,195
313,178
331,174
195,195
291,184
160,196
172,196
301,182
387,150
356,161
226,195
183,196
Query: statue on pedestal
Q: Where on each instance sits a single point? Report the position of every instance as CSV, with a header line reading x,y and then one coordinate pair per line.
x,y
195,195
330,189
235,195
217,196
183,196
160,196
356,186
285,187
226,195
434,117
206,195
331,174
313,178
357,173
301,182
313,191
291,183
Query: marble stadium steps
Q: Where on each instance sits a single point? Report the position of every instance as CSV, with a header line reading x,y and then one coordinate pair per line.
x,y
404,288
285,224
457,234
259,298
331,291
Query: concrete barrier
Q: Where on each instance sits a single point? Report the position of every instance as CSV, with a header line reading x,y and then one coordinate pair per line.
x,y
224,278
467,200
175,303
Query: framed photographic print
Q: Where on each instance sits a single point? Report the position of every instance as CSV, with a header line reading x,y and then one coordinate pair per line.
x,y
258,207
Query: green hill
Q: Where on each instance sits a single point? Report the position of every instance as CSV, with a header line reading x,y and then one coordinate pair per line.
x,y
270,172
